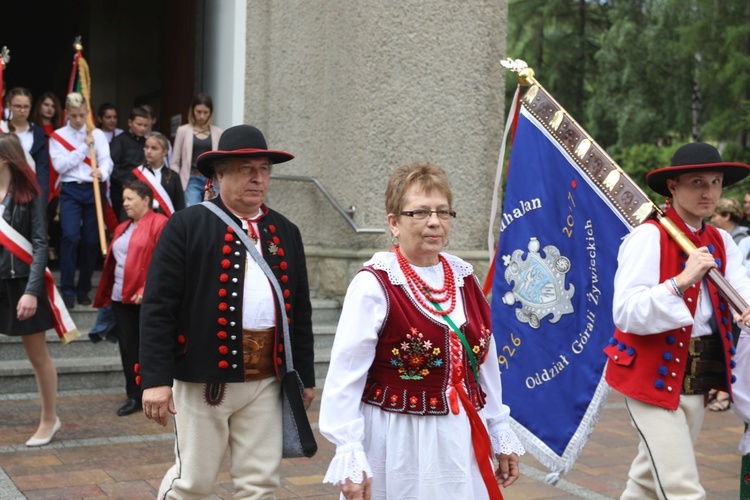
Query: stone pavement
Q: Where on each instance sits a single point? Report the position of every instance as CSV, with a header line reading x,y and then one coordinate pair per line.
x,y
98,454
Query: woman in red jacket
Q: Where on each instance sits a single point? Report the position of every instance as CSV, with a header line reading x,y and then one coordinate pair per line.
x,y
124,276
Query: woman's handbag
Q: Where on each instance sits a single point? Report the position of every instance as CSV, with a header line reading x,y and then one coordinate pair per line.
x,y
299,440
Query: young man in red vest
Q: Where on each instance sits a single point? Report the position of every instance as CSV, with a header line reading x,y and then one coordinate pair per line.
x,y
673,341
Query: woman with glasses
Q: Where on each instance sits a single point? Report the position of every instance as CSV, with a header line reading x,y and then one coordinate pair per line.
x,y
32,137
409,401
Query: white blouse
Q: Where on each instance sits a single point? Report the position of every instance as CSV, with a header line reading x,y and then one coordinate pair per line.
x,y
367,438
642,305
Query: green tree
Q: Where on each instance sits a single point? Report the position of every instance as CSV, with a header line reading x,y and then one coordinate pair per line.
x,y
558,39
641,90
719,43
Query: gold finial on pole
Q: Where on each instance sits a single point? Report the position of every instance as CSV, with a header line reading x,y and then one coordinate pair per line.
x,y
525,73
526,77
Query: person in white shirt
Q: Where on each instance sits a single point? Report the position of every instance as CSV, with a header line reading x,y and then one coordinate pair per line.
x,y
70,148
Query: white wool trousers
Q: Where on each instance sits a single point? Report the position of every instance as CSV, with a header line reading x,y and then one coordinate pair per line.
x,y
247,419
665,467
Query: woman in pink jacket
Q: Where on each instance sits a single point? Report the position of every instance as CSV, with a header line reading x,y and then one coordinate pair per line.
x,y
194,138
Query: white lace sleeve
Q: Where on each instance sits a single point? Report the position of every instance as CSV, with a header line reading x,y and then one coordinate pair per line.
x,y
349,462
341,420
505,441
497,415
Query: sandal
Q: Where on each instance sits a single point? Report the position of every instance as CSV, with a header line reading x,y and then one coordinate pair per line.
x,y
720,404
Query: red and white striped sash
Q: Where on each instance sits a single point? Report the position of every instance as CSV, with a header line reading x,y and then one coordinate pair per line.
x,y
160,194
21,248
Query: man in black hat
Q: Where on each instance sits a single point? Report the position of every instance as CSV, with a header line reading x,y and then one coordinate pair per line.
x,y
212,348
673,341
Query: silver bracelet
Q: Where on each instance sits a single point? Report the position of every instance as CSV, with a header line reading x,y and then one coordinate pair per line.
x,y
673,282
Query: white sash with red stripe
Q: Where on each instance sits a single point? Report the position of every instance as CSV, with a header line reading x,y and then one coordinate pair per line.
x,y
160,194
21,248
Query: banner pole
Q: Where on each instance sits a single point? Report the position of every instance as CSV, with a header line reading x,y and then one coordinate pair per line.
x,y
86,91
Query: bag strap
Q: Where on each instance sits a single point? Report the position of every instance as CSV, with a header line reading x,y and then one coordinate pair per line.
x,y
258,258
464,342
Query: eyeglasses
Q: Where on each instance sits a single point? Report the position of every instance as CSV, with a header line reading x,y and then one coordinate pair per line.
x,y
21,107
424,214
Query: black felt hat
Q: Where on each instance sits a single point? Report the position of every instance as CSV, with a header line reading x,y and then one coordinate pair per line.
x,y
240,141
696,157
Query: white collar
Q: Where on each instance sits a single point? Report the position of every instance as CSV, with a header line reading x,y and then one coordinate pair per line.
x,y
387,261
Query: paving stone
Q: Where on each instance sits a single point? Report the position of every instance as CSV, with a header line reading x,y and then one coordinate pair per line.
x,y
88,491
100,455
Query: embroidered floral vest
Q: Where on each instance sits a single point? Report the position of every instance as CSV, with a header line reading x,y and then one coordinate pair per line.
x,y
651,368
410,372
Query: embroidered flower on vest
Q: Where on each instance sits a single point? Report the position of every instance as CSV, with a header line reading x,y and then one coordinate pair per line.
x,y
415,357
480,350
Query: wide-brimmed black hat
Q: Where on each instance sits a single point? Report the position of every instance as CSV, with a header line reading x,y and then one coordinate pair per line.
x,y
696,157
240,141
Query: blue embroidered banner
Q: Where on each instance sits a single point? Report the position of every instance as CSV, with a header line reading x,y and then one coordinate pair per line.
x,y
552,295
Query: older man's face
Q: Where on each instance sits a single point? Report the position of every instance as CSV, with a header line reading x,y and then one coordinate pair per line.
x,y
244,184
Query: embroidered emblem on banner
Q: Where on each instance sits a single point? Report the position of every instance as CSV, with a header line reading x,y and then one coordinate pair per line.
x,y
538,284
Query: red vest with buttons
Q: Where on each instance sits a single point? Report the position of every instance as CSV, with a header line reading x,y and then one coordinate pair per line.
x,y
411,369
651,368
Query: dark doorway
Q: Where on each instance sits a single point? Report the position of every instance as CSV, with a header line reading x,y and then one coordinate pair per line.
x,y
139,51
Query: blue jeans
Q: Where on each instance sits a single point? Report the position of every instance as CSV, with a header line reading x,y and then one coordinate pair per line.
x,y
195,189
79,228
105,321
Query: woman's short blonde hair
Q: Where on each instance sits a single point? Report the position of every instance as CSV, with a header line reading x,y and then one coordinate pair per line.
x,y
425,175
731,207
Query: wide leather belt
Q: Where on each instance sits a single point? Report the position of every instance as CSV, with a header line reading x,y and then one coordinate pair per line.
x,y
257,350
705,367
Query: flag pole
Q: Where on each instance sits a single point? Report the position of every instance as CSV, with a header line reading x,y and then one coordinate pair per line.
x,y
631,201
85,79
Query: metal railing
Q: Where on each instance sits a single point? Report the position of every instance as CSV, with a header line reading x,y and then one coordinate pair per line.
x,y
346,214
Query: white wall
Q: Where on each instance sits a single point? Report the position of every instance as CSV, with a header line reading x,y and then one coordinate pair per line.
x,y
224,59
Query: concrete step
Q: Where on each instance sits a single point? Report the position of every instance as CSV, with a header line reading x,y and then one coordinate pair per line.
x,y
325,311
323,336
322,359
81,364
97,372
72,374
11,348
84,317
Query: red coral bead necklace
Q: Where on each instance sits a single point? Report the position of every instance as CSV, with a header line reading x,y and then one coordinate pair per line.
x,y
423,292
